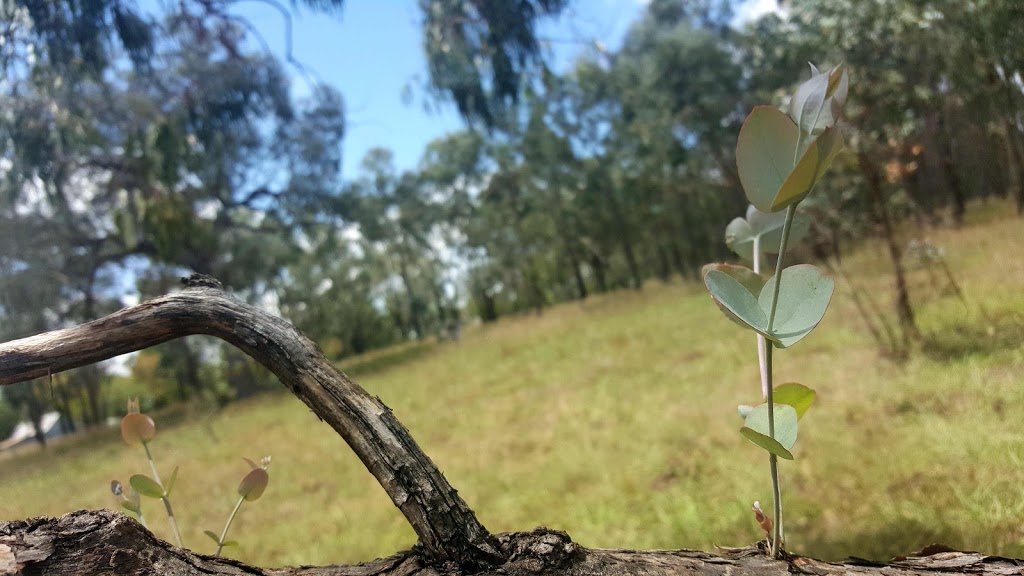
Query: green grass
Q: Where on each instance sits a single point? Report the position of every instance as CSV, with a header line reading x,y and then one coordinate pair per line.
x,y
615,419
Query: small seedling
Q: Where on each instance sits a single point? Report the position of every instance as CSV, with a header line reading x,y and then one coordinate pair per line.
x,y
137,428
131,501
251,488
780,156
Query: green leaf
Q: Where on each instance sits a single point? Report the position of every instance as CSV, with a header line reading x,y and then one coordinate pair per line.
x,y
146,486
815,161
764,155
750,280
755,429
739,237
807,105
798,396
769,227
173,479
803,298
252,486
212,536
736,299
131,506
229,544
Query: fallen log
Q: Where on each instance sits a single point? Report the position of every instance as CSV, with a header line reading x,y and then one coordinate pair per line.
x,y
450,538
91,543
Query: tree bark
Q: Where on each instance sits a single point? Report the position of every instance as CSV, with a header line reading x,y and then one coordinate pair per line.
x,y
447,528
89,543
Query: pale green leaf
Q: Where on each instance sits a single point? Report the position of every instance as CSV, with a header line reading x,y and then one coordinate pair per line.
x,y
756,429
171,481
803,298
146,486
735,298
808,103
764,155
798,396
740,238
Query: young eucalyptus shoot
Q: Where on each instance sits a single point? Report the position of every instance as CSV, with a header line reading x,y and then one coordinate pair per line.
x,y
250,489
138,428
780,156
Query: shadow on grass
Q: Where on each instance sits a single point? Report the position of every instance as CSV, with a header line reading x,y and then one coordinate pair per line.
x,y
996,333
380,360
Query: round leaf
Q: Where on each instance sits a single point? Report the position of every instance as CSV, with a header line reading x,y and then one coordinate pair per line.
x,y
798,396
253,485
803,299
755,429
740,238
764,155
136,428
735,299
146,486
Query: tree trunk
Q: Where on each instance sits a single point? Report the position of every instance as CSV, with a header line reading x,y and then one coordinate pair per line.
x,y
103,542
625,239
597,265
877,196
1017,157
953,181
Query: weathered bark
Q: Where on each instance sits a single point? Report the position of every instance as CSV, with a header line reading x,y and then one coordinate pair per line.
x,y
103,542
447,529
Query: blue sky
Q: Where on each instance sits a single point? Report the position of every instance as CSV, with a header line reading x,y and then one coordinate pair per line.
x,y
372,52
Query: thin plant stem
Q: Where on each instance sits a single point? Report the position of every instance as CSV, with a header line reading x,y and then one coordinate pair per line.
x,y
773,460
224,534
773,463
790,214
164,499
760,339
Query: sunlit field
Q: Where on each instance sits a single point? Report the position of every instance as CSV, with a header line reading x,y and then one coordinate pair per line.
x,y
615,419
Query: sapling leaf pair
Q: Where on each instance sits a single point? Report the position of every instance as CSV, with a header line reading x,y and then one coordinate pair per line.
x,y
249,489
780,156
138,428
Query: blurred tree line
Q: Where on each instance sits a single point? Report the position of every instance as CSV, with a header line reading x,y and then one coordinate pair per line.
x,y
140,146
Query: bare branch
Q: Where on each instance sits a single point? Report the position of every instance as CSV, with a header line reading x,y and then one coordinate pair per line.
x,y
446,526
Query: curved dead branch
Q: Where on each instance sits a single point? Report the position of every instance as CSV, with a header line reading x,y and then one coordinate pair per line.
x,y
447,528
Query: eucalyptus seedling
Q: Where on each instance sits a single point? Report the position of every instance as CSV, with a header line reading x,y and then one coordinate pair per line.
x,y
138,428
780,156
249,489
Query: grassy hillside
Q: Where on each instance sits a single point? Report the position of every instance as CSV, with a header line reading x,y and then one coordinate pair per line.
x,y
615,420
